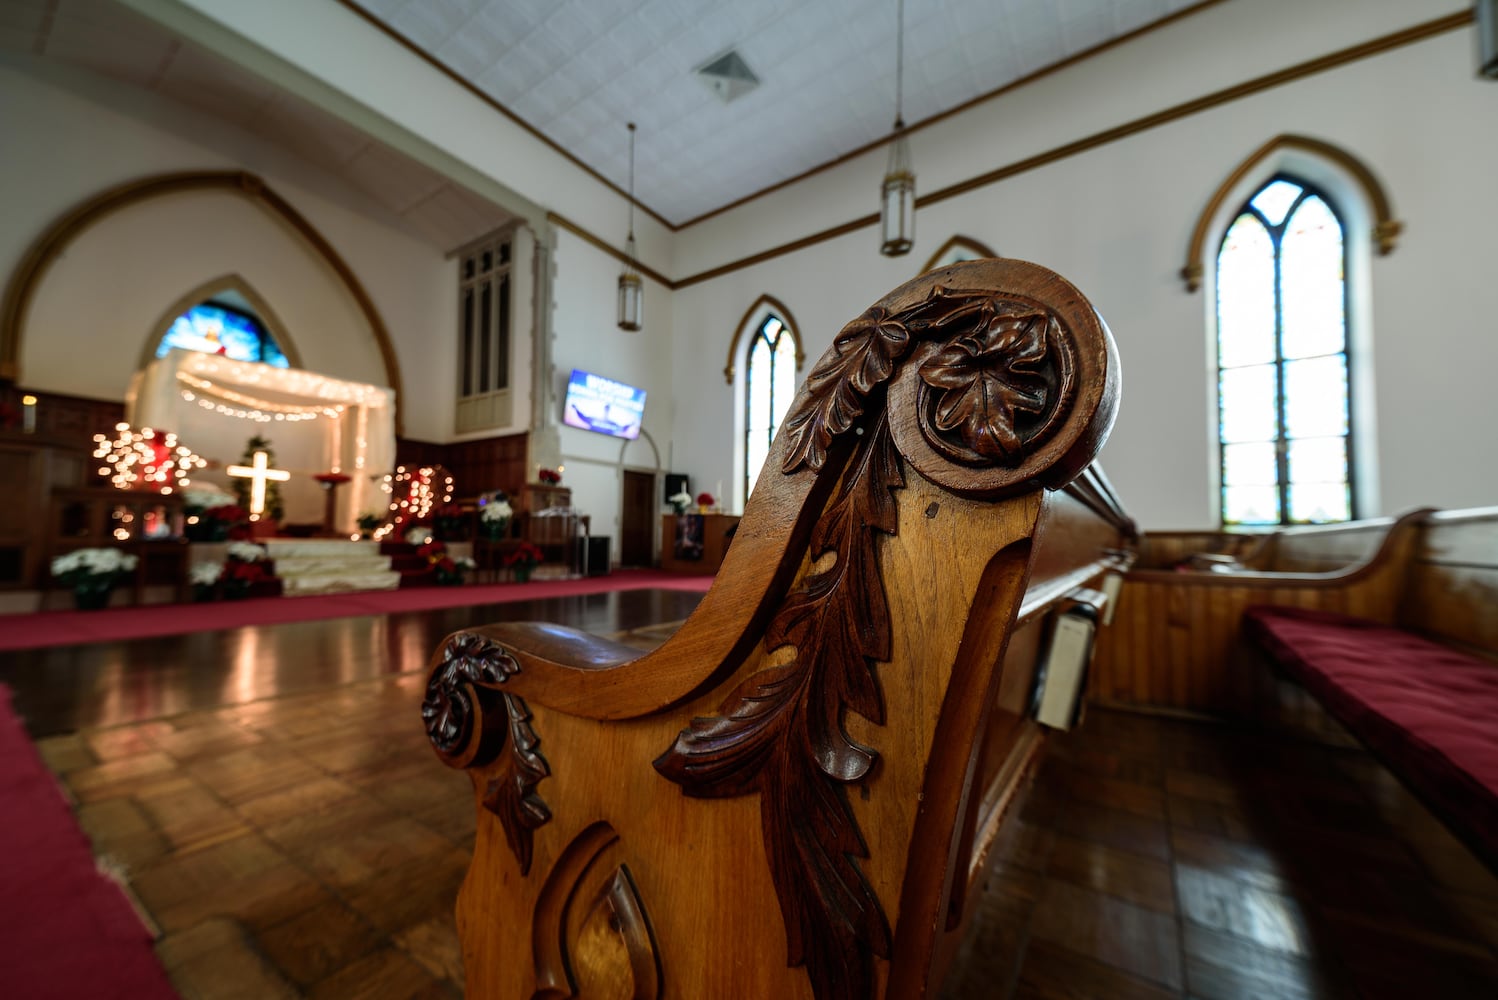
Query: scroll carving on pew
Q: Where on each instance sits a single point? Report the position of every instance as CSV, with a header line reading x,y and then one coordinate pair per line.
x,y
831,717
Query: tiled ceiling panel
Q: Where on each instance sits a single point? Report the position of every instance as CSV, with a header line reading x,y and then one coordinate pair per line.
x,y
578,70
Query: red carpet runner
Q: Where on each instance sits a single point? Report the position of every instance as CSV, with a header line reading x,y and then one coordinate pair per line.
x,y
70,628
65,930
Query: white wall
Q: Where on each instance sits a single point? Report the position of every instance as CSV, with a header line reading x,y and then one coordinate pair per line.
x,y
588,337
87,135
1116,220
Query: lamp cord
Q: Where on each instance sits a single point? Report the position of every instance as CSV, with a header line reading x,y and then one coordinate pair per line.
x,y
632,177
899,63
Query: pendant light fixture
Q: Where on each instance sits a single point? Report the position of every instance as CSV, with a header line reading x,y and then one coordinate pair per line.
x,y
897,194
631,289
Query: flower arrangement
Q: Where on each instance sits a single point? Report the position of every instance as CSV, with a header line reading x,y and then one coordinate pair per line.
x,y
549,476
495,514
246,552
680,502
240,574
450,523
705,501
91,573
522,560
418,534
212,513
447,570
204,578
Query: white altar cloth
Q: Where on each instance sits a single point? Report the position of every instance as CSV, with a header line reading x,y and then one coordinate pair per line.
x,y
315,423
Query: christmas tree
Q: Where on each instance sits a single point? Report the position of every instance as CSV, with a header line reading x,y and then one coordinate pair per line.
x,y
273,507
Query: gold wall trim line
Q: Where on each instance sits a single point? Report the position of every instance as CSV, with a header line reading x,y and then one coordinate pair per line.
x,y
1386,228
452,75
783,313
1355,53
39,257
957,109
610,249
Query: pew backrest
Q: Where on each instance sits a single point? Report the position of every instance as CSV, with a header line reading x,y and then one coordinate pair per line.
x,y
1452,592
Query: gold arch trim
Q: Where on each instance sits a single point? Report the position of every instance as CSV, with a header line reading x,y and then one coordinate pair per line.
x,y
23,284
977,247
206,291
782,313
1386,228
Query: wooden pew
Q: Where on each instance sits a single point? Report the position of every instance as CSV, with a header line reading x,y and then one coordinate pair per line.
x,y
794,795
1175,634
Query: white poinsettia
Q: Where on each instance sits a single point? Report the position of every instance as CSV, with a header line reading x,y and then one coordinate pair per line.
x,y
206,574
91,566
207,497
464,563
498,510
682,499
246,551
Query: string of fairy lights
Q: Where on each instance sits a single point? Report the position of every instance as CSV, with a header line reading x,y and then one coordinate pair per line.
x,y
145,459
413,494
231,403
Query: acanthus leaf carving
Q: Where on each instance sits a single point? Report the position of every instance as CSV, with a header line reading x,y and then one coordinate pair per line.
x,y
863,357
781,734
512,794
469,720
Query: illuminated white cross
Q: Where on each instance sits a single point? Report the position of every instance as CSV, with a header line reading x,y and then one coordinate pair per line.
x,y
257,474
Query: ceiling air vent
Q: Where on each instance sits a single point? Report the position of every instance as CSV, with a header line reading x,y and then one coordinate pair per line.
x,y
728,76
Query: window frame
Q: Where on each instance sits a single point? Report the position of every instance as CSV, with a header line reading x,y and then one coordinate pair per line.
x,y
747,476
1276,232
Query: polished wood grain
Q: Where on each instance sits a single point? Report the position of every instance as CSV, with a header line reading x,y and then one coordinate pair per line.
x,y
1175,638
820,719
1453,585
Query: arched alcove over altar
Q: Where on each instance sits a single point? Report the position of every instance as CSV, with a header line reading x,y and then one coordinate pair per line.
x,y
316,424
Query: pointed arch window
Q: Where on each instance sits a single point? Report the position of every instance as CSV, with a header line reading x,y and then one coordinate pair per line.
x,y
1283,389
219,328
769,385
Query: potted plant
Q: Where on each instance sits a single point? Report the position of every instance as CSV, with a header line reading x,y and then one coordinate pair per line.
x,y
91,573
368,523
705,503
210,513
523,560
204,578
450,523
447,570
245,567
495,516
680,502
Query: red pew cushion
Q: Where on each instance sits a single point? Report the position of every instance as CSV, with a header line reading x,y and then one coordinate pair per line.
x,y
1428,711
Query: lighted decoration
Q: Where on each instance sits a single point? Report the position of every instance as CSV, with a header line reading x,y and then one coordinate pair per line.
x,y
230,403
258,473
269,489
413,495
145,459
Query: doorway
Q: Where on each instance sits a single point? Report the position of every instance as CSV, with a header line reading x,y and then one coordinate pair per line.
x,y
637,520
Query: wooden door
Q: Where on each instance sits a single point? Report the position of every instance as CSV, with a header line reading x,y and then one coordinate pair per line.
x,y
637,520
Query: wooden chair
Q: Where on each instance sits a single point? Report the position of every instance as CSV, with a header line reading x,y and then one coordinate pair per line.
x,y
793,796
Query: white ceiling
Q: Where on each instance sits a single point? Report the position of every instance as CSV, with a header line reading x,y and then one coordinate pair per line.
x,y
103,37
578,70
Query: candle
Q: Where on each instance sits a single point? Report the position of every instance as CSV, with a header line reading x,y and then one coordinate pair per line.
x,y
28,414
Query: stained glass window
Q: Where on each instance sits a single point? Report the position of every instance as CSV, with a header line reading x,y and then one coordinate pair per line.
x,y
1284,425
769,384
219,329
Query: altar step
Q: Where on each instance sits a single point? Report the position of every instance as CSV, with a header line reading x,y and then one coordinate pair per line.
x,y
330,565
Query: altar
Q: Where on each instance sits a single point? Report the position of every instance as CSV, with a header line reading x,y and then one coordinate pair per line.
x,y
315,423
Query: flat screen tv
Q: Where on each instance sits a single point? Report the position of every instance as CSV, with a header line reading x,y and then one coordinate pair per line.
x,y
595,403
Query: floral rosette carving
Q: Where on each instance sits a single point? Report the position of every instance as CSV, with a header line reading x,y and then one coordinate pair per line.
x,y
997,387
992,393
469,722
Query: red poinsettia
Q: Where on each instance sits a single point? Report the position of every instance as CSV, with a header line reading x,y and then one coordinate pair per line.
x,y
705,499
551,476
227,513
524,554
239,571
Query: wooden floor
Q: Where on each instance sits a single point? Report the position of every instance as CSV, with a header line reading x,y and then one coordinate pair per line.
x,y
271,798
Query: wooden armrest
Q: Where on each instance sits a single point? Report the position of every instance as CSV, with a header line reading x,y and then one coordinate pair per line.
x,y
780,801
